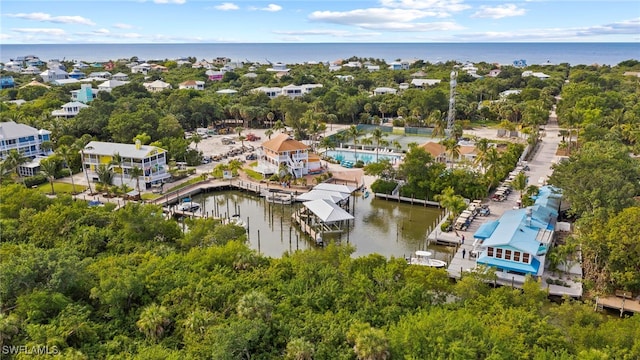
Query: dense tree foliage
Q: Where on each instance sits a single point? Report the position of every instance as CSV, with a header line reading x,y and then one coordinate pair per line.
x,y
123,284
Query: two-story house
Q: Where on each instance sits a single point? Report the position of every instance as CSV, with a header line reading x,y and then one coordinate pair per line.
x,y
26,140
151,159
294,155
69,109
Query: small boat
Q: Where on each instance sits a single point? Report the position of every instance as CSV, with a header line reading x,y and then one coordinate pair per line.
x,y
236,220
366,194
424,258
279,198
189,206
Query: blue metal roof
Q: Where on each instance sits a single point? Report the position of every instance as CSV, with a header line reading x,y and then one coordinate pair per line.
x,y
512,231
511,265
486,229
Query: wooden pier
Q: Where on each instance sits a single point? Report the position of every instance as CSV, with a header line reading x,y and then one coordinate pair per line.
x,y
405,199
622,301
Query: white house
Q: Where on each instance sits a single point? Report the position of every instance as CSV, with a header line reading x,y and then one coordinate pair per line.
x,y
539,75
151,159
399,65
423,82
192,84
294,91
384,90
50,75
278,67
143,68
271,92
157,86
120,76
373,68
30,70
111,84
69,109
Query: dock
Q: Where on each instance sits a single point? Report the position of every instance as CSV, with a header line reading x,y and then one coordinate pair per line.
x,y
405,199
621,302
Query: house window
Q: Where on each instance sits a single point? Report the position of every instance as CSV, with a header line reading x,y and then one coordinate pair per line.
x,y
507,255
499,253
516,256
490,251
525,258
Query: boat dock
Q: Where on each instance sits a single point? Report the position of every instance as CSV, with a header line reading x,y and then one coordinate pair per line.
x,y
405,199
622,301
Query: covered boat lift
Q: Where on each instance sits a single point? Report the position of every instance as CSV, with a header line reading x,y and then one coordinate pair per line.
x,y
321,216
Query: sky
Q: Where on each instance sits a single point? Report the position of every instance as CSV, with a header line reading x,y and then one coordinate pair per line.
x,y
309,21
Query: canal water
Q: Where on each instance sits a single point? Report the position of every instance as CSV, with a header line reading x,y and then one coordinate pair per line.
x,y
384,227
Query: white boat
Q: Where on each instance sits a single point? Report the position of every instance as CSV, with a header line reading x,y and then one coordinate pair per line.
x,y
236,220
189,206
279,198
424,258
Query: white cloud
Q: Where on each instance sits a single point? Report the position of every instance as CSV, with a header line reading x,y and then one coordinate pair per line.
x,y
227,6
434,5
102,31
179,2
46,31
324,32
272,8
369,16
499,12
44,17
122,26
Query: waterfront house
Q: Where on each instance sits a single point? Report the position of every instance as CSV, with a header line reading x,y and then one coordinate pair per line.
x,y
437,151
69,109
7,82
192,84
157,86
25,139
283,150
151,159
518,242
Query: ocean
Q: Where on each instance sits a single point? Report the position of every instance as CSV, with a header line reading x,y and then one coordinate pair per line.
x,y
295,53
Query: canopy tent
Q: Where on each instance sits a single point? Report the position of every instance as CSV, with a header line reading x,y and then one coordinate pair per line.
x,y
327,211
335,187
334,196
486,230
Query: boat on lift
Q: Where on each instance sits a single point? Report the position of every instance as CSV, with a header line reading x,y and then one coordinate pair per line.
x,y
424,258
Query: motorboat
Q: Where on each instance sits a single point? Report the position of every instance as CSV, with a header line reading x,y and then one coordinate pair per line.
x,y
189,206
424,258
236,220
279,198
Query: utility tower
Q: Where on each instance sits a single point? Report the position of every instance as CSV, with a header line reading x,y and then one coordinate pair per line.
x,y
452,102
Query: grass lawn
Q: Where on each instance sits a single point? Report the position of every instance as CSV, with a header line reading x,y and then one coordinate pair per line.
x,y
196,179
253,174
148,196
60,187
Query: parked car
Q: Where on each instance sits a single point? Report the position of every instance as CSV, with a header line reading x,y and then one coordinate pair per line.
x,y
251,156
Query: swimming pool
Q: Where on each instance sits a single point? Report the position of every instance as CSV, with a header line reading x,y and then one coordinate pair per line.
x,y
366,156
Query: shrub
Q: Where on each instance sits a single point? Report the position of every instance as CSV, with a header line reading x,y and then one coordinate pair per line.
x,y
35,180
383,186
445,226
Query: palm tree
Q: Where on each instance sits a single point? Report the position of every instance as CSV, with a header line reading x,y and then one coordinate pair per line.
x,y
520,184
86,171
452,147
279,125
66,153
136,173
270,117
453,203
354,133
299,349
492,165
397,145
196,139
377,134
327,143
153,321
482,146
269,132
368,343
105,175
46,146
235,165
49,167
117,161
15,159
254,305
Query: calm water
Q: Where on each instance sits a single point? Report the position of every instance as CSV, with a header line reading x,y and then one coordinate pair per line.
x,y
384,227
503,53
